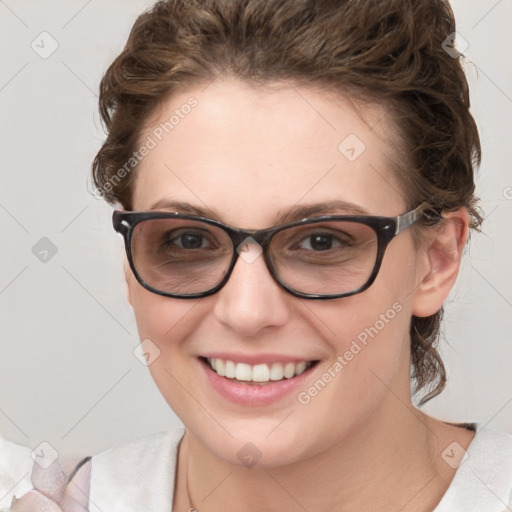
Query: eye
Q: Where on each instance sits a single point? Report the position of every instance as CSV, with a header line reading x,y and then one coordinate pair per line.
x,y
189,240
321,242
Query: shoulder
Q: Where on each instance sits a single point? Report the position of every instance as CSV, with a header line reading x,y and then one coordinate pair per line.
x,y
483,481
136,475
15,470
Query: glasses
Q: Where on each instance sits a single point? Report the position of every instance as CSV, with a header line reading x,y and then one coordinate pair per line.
x,y
188,256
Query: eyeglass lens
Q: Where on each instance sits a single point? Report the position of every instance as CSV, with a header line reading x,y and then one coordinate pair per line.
x,y
182,256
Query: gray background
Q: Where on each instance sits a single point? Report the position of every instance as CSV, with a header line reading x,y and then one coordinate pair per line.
x,y
67,370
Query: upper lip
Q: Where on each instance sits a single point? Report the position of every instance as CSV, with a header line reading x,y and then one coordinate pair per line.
x,y
254,359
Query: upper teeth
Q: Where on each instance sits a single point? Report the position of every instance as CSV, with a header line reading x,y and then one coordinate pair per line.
x,y
258,372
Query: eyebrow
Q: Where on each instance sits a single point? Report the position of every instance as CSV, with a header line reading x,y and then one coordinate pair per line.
x,y
284,215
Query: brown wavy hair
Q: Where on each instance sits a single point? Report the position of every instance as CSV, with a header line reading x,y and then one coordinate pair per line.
x,y
394,53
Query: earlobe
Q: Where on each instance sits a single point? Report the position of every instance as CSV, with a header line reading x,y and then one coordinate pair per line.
x,y
442,260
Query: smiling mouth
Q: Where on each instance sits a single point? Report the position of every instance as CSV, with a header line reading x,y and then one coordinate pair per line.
x,y
259,373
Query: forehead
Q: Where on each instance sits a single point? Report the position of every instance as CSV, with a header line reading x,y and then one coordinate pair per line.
x,y
249,152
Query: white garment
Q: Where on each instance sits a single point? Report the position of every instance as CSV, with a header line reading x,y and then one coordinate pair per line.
x,y
139,476
15,470
483,482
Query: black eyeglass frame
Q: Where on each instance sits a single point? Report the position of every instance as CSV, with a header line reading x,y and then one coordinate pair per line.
x,y
386,228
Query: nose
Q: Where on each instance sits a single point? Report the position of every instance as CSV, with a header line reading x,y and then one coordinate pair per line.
x,y
251,300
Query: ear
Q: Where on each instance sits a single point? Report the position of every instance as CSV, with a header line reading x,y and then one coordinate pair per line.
x,y
441,256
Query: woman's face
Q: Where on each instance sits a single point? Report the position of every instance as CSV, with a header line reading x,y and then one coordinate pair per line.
x,y
249,156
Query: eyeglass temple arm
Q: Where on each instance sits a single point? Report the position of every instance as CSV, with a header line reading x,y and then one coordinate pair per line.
x,y
408,219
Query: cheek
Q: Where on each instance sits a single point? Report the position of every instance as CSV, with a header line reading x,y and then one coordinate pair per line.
x,y
369,338
158,318
163,321
378,319
370,357
170,324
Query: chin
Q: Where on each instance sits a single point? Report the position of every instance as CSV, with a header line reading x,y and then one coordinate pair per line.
x,y
251,445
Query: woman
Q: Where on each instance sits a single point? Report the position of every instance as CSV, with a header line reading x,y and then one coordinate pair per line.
x,y
294,184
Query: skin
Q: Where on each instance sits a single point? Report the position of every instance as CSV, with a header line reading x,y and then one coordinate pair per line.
x,y
247,155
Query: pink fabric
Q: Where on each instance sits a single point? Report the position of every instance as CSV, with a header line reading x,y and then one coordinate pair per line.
x,y
53,492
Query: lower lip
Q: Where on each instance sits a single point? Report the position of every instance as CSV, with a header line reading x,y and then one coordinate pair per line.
x,y
253,394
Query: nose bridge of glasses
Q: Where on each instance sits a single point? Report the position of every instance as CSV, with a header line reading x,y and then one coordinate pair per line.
x,y
250,244
242,238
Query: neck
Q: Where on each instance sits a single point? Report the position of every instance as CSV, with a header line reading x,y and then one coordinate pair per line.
x,y
390,463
